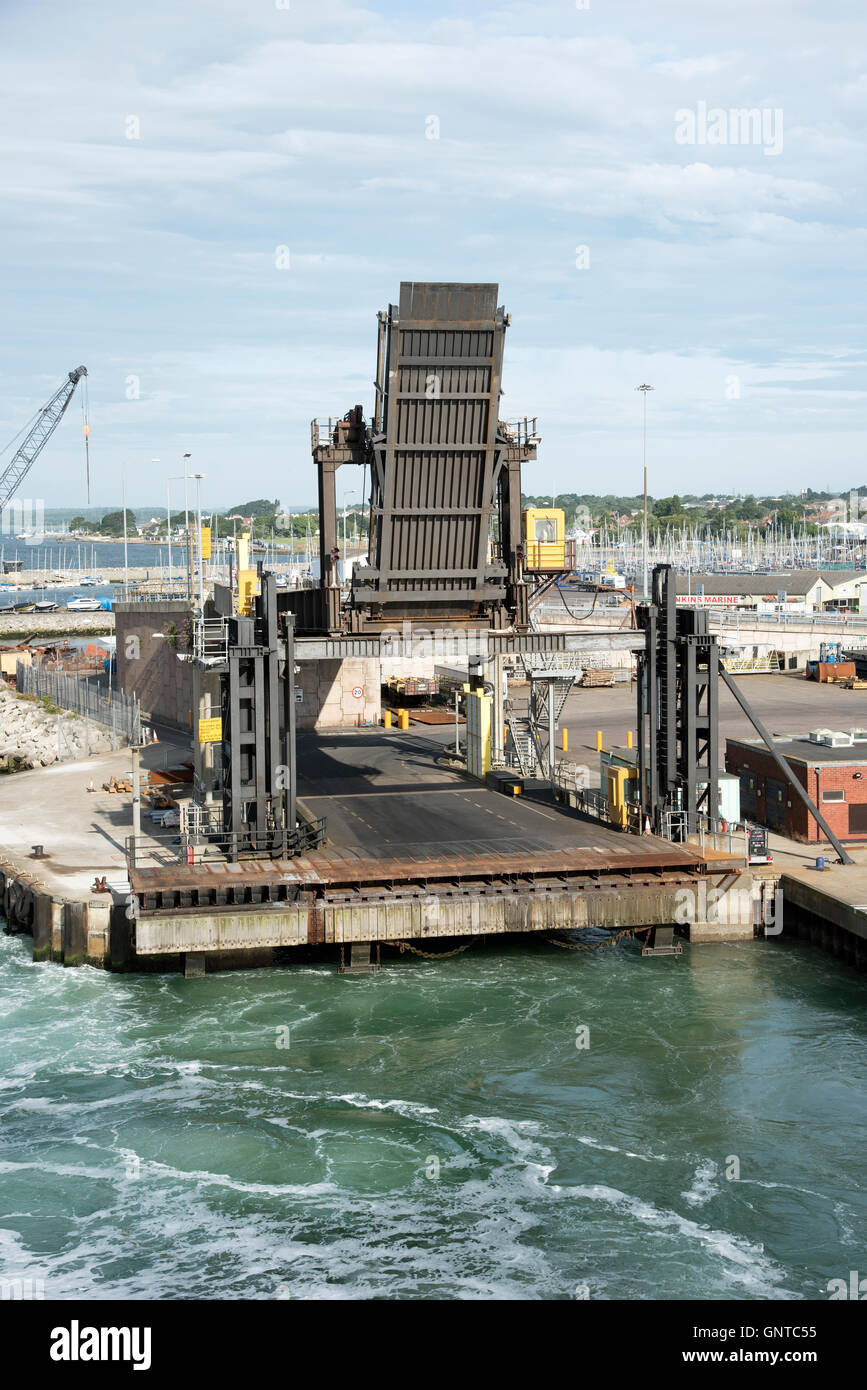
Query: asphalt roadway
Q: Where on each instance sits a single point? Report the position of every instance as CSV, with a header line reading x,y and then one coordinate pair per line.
x,y
785,704
384,793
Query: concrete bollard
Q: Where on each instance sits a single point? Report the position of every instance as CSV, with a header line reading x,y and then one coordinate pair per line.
x,y
386,718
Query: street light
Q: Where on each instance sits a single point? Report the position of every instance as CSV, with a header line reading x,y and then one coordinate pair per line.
x,y
125,555
198,477
644,388
174,478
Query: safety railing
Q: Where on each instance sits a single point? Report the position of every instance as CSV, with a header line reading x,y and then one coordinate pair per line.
x,y
682,827
211,639
520,432
854,622
211,844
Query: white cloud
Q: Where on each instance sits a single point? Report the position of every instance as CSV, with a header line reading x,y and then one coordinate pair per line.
x,y
307,127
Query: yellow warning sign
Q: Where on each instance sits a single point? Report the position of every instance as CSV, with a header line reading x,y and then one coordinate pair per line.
x,y
206,542
210,730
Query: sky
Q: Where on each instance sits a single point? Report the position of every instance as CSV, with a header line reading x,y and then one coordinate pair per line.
x,y
207,203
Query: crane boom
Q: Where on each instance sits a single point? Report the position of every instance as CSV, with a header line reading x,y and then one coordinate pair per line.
x,y
37,437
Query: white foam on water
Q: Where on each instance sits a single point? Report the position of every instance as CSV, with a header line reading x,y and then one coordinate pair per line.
x,y
266,1189
401,1107
744,1262
627,1153
703,1184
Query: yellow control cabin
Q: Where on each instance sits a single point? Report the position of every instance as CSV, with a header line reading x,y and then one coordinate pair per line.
x,y
544,538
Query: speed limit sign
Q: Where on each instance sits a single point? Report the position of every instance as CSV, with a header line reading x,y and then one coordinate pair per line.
x,y
358,692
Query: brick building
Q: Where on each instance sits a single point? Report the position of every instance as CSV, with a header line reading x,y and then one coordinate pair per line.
x,y
793,591
830,765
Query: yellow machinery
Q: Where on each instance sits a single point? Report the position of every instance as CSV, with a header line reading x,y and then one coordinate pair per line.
x,y
544,538
619,799
248,580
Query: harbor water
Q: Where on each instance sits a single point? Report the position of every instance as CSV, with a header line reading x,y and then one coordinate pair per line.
x,y
516,1122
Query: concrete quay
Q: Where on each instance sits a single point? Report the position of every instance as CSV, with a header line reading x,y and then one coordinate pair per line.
x,y
415,852
82,838
829,908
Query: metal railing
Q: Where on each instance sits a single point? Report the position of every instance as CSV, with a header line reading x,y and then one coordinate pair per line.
x,y
211,844
115,710
684,827
142,591
211,639
854,622
521,431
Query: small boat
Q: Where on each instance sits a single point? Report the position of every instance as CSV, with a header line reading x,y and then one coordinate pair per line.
x,y
84,605
44,605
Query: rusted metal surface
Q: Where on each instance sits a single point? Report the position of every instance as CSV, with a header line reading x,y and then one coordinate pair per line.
x,y
342,867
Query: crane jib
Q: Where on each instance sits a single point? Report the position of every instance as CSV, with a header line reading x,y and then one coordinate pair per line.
x,y
37,436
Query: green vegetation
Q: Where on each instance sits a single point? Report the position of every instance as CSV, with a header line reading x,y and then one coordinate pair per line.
x,y
714,513
112,524
261,509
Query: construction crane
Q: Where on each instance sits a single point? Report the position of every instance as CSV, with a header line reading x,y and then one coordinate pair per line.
x,y
39,431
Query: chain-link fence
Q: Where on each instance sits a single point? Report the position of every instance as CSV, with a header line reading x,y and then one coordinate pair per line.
x,y
115,710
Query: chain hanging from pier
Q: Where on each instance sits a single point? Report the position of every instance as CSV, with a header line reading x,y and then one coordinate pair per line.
x,y
595,945
433,955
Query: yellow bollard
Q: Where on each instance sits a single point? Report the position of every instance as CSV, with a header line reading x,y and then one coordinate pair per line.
x,y
403,719
628,738
598,740
565,740
386,718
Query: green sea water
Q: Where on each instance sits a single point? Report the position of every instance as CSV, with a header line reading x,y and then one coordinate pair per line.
x,y
434,1131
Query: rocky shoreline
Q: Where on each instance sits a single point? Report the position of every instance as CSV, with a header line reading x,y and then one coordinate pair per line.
x,y
29,738
59,624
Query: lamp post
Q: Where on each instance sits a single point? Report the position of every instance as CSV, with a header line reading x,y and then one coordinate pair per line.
x,y
198,477
175,478
169,529
644,388
125,554
185,476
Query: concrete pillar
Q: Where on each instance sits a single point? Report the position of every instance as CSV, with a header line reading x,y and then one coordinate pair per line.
x,y
57,930
74,933
42,928
120,937
98,932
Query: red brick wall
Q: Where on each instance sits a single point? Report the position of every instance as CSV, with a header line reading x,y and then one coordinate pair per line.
x,y
799,824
